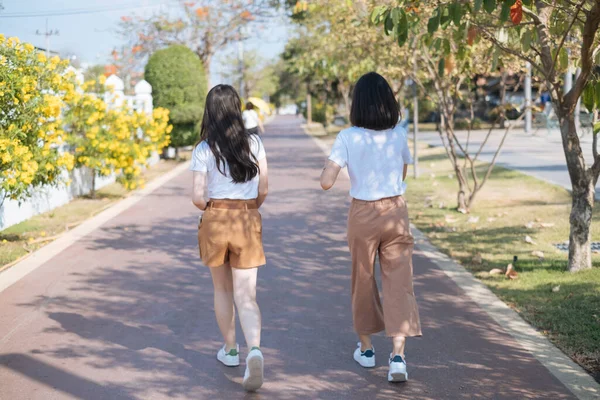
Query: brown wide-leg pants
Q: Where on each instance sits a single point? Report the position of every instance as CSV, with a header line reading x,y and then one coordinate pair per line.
x,y
382,227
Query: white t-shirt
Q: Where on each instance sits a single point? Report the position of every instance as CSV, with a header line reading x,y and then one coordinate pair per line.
x,y
250,119
375,161
222,186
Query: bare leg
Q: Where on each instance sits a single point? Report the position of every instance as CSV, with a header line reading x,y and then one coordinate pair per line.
x,y
365,342
399,343
244,294
223,297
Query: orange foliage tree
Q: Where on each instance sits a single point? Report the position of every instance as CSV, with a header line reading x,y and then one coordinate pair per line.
x,y
204,26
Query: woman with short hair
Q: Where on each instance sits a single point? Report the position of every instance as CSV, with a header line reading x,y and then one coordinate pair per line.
x,y
376,152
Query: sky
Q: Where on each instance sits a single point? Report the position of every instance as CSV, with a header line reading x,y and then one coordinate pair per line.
x,y
92,36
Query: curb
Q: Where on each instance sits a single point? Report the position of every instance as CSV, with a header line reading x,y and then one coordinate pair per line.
x,y
41,256
569,373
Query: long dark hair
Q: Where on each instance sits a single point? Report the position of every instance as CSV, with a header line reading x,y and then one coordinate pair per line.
x,y
223,130
374,105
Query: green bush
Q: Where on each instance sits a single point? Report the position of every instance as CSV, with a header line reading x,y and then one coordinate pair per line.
x,y
179,84
463,123
321,113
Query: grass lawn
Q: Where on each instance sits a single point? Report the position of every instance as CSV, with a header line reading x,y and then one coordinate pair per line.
x,y
563,306
19,240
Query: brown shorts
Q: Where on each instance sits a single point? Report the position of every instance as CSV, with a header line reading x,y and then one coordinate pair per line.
x,y
230,231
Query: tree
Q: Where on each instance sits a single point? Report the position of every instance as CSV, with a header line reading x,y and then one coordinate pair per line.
x,y
553,37
256,75
179,84
205,27
33,91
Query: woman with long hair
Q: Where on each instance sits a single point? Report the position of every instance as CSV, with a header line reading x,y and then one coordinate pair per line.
x,y
376,152
230,184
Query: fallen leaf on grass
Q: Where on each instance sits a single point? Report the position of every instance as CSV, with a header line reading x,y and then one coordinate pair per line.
x,y
529,225
491,219
477,259
510,272
556,289
529,240
496,271
547,224
442,205
538,254
473,220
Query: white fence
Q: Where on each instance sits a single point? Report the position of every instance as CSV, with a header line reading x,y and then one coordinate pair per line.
x,y
47,198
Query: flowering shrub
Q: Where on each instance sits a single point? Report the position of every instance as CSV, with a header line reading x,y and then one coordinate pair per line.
x,y
33,90
113,140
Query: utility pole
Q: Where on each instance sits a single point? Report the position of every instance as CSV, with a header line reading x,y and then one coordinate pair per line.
x,y
47,33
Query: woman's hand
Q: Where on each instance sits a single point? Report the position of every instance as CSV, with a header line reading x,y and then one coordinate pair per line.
x,y
329,175
199,190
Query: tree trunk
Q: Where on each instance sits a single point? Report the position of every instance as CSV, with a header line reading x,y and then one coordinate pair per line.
x,y
345,91
583,183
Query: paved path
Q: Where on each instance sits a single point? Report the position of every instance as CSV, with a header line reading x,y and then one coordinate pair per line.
x,y
126,313
539,156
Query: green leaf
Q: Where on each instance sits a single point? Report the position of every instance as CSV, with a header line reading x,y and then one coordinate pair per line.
x,y
505,12
441,67
434,22
597,94
527,3
588,97
478,4
446,46
402,29
377,13
596,128
457,13
489,5
389,25
445,17
396,15
526,40
563,59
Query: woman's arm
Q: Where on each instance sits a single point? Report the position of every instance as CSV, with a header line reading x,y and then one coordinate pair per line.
x,y
199,190
405,172
329,175
263,181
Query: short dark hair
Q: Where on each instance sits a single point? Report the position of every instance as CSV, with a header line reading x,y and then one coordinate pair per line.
x,y
249,106
374,105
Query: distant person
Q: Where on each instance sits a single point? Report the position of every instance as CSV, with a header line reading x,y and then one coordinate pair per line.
x,y
230,184
252,121
376,152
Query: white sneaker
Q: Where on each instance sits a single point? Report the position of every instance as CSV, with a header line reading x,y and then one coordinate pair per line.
x,y
397,369
366,359
254,375
231,358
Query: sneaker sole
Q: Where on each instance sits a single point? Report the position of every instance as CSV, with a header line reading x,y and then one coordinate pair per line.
x,y
370,365
229,364
255,374
397,377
